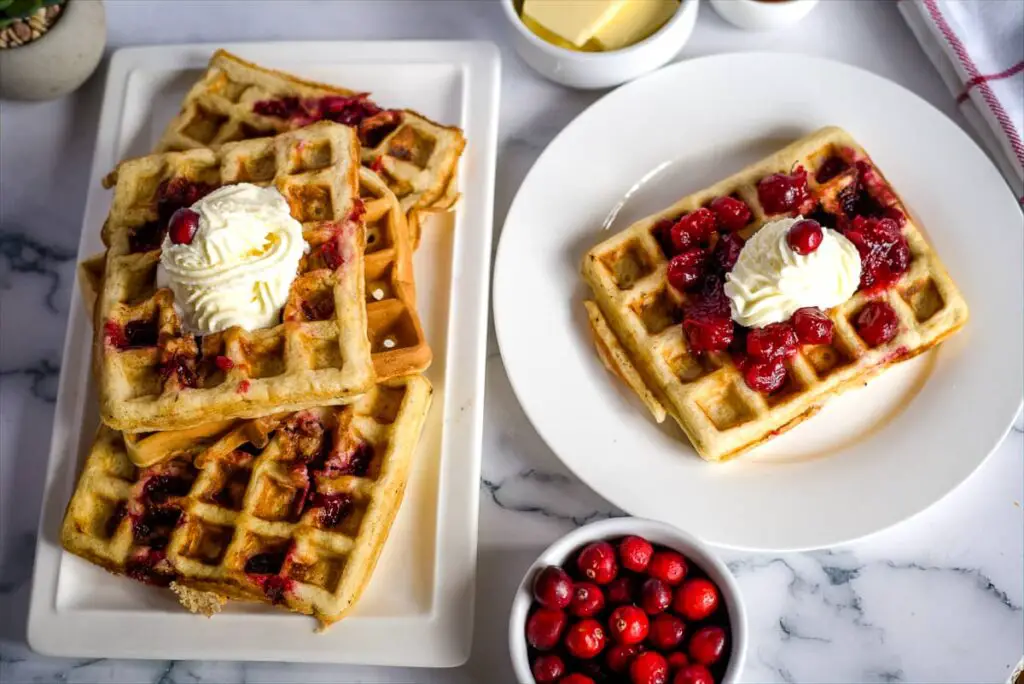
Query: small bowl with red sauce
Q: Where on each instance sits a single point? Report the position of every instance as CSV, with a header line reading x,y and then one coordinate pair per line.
x,y
627,600
763,15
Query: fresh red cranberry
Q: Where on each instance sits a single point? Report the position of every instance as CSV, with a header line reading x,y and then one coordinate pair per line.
x,y
896,216
597,562
830,168
668,566
780,193
732,214
804,236
774,341
706,333
655,596
696,599
183,226
677,660
621,590
667,631
585,639
707,645
662,233
876,323
140,333
693,229
114,335
884,253
544,628
694,674
684,270
649,667
587,600
576,678
548,669
635,553
553,588
223,363
619,656
812,326
765,376
727,251
628,625
265,563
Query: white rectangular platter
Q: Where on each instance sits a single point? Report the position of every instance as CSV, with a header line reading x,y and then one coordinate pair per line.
x,y
417,610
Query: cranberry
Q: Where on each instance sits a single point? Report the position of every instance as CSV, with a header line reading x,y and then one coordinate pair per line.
x,y
896,216
666,631
707,333
655,596
333,508
692,229
619,656
812,326
780,193
265,563
548,669
830,168
544,628
727,251
649,667
684,270
668,566
876,323
662,233
635,553
576,678
707,645
696,599
585,639
355,462
183,226
732,214
677,660
621,591
884,253
181,366
694,674
765,376
597,562
628,625
587,600
804,236
774,341
113,335
223,363
553,588
160,487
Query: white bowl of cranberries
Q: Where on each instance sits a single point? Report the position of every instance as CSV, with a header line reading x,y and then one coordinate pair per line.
x,y
627,600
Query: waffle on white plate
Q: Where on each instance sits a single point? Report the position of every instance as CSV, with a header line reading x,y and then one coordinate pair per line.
x,y
289,509
237,100
636,315
152,375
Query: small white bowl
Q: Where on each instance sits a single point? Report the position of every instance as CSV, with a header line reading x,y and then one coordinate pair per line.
x,y
656,533
758,15
602,69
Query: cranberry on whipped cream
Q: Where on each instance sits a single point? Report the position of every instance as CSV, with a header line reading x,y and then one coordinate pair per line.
x,y
771,280
239,263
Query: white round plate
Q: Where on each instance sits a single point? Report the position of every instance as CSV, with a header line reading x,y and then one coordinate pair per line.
x,y
873,456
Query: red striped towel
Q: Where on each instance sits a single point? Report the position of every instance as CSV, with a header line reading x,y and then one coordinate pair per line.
x,y
978,48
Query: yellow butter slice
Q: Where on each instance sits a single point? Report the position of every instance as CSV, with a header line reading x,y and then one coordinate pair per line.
x,y
573,21
637,20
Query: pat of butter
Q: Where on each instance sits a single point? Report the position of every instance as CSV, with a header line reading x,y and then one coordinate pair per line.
x,y
572,21
634,22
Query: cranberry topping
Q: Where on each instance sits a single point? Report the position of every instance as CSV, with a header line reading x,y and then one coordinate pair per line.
x,y
667,631
331,254
348,110
544,628
183,368
587,600
655,596
585,639
693,229
696,599
804,236
243,387
553,588
275,588
318,309
160,487
684,270
281,108
707,645
668,566
153,528
334,508
649,667
548,669
694,674
265,563
374,129
812,326
727,251
144,569
830,168
628,625
764,376
597,562
662,233
635,553
223,363
884,253
619,656
732,213
876,323
355,462
183,226
114,335
780,193
140,334
707,333
895,215
377,165
774,341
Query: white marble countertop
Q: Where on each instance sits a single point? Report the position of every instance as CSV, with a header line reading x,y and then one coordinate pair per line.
x,y
936,599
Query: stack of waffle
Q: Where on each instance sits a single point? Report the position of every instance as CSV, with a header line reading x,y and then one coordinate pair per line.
x,y
263,465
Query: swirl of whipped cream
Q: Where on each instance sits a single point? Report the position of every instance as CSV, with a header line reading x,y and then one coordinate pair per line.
x,y
770,281
240,264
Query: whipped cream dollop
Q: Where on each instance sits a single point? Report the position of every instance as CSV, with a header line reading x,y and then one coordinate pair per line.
x,y
240,264
770,281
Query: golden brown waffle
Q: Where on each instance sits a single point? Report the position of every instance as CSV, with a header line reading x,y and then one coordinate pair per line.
x,y
637,314
417,157
291,510
154,376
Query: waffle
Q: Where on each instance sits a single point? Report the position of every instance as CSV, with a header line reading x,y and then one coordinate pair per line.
x,y
291,510
154,376
398,345
417,157
635,313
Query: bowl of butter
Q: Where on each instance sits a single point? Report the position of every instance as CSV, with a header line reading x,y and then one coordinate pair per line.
x,y
599,43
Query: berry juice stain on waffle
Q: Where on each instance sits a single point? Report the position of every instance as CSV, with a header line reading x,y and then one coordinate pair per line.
x,y
741,309
257,346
